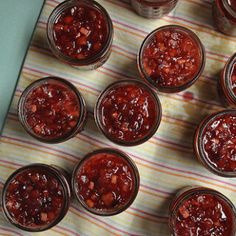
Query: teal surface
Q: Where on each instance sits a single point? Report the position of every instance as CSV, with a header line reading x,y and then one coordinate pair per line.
x,y
17,22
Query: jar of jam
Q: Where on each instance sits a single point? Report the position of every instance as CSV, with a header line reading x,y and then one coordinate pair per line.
x,y
36,197
202,211
215,141
224,14
106,182
128,112
153,8
227,83
80,33
52,110
171,58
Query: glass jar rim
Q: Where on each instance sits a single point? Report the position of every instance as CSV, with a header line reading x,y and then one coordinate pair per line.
x,y
53,171
227,73
188,192
33,85
199,147
117,84
172,89
54,15
132,166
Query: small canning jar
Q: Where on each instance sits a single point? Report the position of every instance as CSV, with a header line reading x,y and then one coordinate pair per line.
x,y
227,83
128,112
171,58
52,110
36,197
224,14
214,143
153,8
105,182
200,210
80,33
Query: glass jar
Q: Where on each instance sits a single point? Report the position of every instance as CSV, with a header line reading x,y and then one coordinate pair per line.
x,y
200,210
171,58
80,33
214,143
52,110
105,182
227,83
224,14
128,112
36,197
153,8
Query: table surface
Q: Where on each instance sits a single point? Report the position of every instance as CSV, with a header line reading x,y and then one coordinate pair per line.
x,y
166,162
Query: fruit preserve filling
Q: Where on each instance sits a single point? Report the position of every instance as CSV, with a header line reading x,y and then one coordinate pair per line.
x,y
80,31
203,214
128,112
34,198
172,58
51,109
233,78
219,142
105,181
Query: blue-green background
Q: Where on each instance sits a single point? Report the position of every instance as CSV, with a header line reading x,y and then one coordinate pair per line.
x,y
17,22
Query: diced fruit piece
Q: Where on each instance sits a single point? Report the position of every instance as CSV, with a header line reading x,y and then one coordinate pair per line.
x,y
184,212
114,179
108,199
84,31
91,185
44,216
90,203
82,40
68,19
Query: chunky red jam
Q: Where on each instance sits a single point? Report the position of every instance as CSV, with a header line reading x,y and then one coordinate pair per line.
x,y
172,58
233,78
105,181
203,215
51,109
80,31
219,142
34,198
128,112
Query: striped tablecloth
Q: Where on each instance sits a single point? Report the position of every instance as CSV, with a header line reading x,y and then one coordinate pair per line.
x,y
166,162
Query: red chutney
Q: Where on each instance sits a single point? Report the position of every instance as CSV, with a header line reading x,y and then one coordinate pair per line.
x,y
51,109
105,181
219,140
233,78
34,198
128,112
172,58
80,31
203,214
